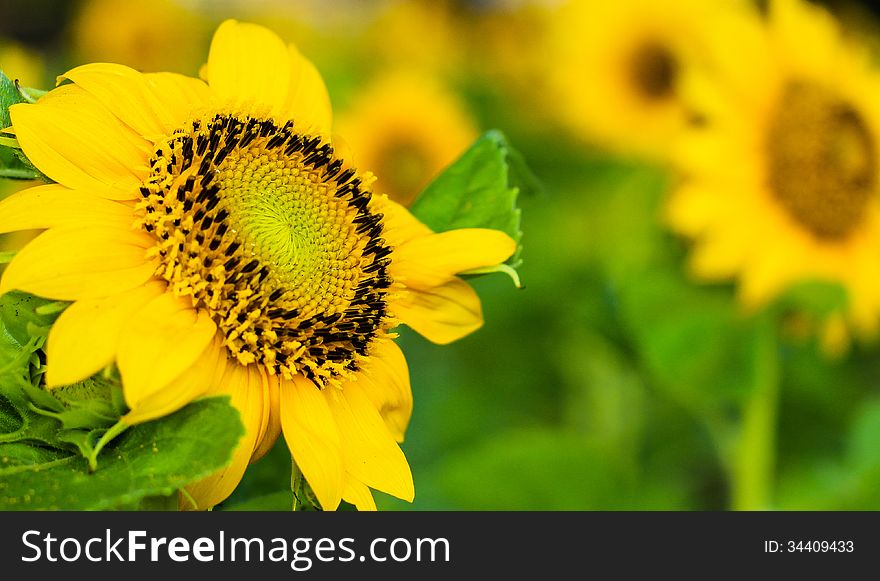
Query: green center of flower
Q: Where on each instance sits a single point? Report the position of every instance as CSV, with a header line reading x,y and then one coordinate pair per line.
x,y
821,156
653,71
264,228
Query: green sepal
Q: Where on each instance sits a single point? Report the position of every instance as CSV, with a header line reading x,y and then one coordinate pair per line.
x,y
13,163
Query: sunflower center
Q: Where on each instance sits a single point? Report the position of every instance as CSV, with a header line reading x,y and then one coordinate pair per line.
x,y
654,70
262,227
821,158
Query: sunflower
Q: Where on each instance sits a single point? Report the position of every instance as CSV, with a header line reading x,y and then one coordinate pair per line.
x,y
407,127
213,242
139,33
782,186
617,67
21,64
420,35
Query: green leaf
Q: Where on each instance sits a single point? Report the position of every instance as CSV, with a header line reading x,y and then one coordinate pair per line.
x,y
818,298
152,459
480,190
25,316
13,163
12,166
93,403
864,438
9,96
11,421
692,340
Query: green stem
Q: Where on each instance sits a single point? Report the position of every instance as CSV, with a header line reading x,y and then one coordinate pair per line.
x,y
754,459
295,485
114,431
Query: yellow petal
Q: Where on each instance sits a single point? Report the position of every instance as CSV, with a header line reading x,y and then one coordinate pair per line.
x,y
160,342
149,104
272,429
249,67
248,388
193,383
386,382
77,142
358,494
311,434
400,225
73,263
308,102
52,205
85,337
442,314
371,455
430,261
260,422
181,95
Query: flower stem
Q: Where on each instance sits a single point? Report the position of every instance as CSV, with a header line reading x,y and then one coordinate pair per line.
x,y
114,431
754,459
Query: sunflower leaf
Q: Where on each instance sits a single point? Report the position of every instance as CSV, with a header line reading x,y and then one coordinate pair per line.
x,y
9,96
93,403
480,190
153,459
22,318
817,298
13,163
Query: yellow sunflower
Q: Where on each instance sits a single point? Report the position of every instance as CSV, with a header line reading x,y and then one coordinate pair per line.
x,y
139,33
21,64
406,127
418,34
782,186
616,68
213,242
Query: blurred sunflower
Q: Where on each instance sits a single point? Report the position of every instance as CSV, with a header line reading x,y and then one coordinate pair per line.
x,y
139,33
17,62
782,186
214,243
617,67
406,127
509,36
422,35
